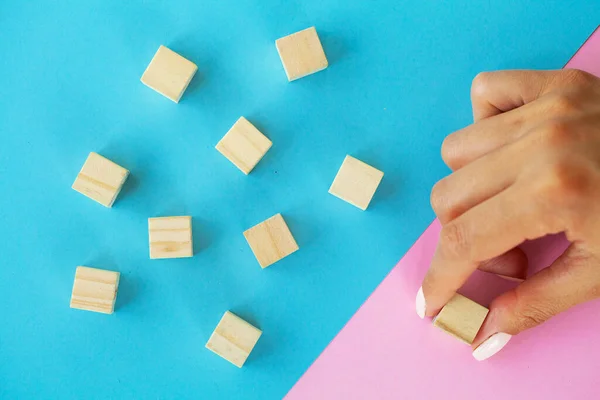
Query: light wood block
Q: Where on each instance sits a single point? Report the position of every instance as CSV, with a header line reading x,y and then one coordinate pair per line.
x,y
271,240
244,145
233,339
170,237
95,290
169,73
100,179
301,54
356,182
461,317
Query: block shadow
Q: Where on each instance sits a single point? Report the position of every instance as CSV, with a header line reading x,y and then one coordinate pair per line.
x,y
334,46
127,291
204,234
189,48
264,346
303,232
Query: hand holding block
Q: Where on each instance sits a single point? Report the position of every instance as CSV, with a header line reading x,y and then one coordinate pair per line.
x,y
271,241
169,73
95,290
301,54
100,179
170,237
461,318
233,339
356,182
244,145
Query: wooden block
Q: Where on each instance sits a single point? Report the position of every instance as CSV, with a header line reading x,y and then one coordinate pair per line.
x,y
100,179
244,145
233,339
301,54
271,240
169,73
170,237
462,318
95,290
356,182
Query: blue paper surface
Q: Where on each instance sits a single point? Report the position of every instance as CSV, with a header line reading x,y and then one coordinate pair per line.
x,y
397,84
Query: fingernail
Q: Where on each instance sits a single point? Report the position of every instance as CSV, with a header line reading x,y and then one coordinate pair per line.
x,y
511,278
491,346
420,303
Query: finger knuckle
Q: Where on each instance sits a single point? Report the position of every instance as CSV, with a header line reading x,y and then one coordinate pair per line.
x,y
530,313
577,78
454,241
450,150
568,181
556,134
439,200
561,193
565,103
531,316
481,83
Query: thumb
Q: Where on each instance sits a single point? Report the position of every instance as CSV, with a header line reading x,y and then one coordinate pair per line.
x,y
493,93
572,279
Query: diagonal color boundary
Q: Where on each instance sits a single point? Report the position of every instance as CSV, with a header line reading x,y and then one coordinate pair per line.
x,y
386,352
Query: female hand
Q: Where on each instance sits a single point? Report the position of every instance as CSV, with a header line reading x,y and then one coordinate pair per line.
x,y
529,166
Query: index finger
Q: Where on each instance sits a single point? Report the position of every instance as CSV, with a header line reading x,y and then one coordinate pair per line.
x,y
485,231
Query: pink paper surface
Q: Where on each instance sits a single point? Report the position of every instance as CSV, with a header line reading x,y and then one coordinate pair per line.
x,y
588,57
386,352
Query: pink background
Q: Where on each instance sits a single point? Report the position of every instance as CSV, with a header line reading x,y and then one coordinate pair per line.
x,y
386,352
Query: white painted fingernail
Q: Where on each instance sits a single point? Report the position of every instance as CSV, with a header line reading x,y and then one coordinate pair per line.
x,y
420,303
491,346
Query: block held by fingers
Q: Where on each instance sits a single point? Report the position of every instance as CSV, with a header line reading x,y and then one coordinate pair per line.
x,y
461,317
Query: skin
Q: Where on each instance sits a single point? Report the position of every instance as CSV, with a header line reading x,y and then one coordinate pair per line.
x,y
529,166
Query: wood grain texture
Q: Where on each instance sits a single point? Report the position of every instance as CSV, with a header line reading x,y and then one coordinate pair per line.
x,y
95,290
356,182
244,145
170,237
233,339
169,73
100,179
461,317
301,54
271,240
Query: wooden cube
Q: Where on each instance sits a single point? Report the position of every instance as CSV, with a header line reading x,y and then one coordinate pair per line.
x,y
169,73
461,317
244,145
271,240
100,179
233,339
95,290
356,182
170,237
301,54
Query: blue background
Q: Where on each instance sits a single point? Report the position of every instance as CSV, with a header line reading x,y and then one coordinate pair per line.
x,y
398,82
